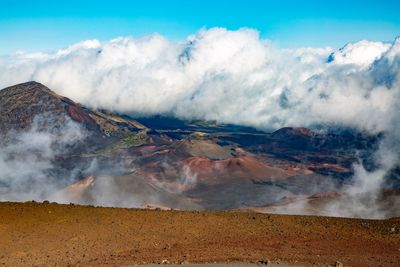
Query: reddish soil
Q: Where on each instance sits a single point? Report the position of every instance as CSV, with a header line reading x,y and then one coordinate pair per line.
x,y
33,234
241,167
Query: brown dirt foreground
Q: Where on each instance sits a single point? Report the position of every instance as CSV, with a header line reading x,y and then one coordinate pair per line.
x,y
34,234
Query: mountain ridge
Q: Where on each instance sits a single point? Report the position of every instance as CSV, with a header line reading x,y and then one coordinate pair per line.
x,y
180,164
19,104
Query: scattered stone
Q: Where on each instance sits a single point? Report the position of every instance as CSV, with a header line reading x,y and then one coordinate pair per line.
x,y
266,262
338,264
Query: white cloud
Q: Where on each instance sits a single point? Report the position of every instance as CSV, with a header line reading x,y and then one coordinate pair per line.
x,y
362,53
228,76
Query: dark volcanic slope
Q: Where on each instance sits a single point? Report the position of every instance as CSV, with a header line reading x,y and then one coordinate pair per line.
x,y
21,104
171,163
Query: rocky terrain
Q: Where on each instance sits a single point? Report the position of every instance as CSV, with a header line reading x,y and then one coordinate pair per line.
x,y
188,165
46,234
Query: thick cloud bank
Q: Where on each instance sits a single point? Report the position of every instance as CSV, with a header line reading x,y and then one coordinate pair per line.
x,y
228,76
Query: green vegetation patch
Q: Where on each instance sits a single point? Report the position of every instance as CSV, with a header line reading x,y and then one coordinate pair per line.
x,y
129,140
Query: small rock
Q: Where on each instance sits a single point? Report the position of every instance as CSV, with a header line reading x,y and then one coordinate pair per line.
x,y
265,262
338,264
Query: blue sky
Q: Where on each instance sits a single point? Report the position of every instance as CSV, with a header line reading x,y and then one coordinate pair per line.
x,y
49,25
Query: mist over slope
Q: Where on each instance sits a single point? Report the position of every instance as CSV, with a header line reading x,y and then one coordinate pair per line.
x,y
53,148
200,154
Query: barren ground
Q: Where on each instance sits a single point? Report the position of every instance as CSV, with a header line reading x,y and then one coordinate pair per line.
x,y
34,234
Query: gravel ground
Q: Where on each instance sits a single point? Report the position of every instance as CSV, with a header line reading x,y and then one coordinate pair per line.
x,y
33,234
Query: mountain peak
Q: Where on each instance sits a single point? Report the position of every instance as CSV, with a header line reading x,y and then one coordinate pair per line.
x,y
21,103
31,85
